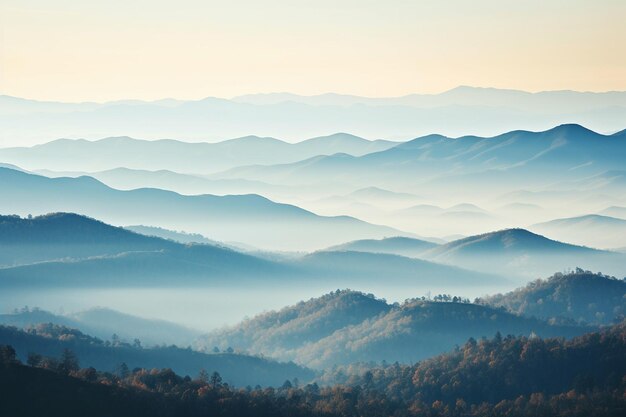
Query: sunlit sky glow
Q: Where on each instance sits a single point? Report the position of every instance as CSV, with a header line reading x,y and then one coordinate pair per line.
x,y
149,49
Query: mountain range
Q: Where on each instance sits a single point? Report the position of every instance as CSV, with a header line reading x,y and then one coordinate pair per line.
x,y
63,250
174,155
246,218
463,110
499,159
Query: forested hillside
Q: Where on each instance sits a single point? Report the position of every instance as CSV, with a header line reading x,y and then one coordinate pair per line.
x,y
109,355
348,326
502,376
580,297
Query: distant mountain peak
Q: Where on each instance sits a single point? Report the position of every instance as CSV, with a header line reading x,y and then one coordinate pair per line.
x,y
572,129
514,238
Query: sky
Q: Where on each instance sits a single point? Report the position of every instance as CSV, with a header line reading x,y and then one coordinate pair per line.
x,y
94,50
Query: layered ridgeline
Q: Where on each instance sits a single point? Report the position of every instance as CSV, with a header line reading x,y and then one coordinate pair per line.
x,y
462,110
580,297
517,179
508,160
502,376
116,355
66,249
423,186
103,322
69,250
509,252
348,326
174,155
248,218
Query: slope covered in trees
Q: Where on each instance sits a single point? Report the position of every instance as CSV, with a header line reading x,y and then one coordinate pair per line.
x,y
347,326
297,325
239,369
580,296
103,322
503,376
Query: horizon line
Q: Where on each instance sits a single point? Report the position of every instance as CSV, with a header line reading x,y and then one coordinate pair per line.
x,y
329,93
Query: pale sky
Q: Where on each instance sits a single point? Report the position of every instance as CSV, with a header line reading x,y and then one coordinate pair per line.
x,y
73,50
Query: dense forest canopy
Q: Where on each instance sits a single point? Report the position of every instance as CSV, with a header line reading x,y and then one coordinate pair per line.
x,y
577,297
501,376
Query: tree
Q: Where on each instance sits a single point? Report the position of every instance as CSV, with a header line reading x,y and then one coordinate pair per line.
x,y
203,376
216,349
33,359
7,354
122,370
68,362
216,379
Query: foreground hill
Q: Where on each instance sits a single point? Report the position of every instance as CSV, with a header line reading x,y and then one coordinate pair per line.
x,y
51,340
346,326
500,377
593,229
300,324
504,376
403,246
523,253
580,296
246,218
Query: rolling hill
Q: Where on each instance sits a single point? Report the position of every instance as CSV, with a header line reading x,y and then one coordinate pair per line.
x,y
50,340
581,297
359,268
103,322
180,237
522,253
346,326
593,230
403,246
